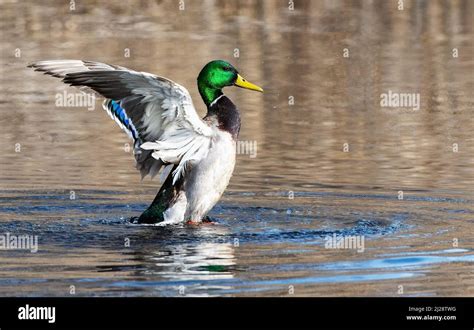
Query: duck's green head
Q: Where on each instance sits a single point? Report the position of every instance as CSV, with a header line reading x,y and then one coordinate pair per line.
x,y
218,74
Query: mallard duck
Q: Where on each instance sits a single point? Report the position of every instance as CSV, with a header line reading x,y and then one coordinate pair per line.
x,y
197,156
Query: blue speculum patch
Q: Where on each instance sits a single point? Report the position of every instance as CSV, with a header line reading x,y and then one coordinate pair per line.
x,y
121,115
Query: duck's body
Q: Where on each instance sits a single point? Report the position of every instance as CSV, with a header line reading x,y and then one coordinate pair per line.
x,y
192,197
209,178
158,114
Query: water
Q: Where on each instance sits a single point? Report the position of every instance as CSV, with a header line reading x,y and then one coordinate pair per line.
x,y
68,176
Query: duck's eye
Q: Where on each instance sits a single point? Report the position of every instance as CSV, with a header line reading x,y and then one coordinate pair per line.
x,y
226,68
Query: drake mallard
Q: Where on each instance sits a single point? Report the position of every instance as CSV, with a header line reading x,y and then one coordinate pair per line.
x,y
197,156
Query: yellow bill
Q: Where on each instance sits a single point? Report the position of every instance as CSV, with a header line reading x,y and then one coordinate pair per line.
x,y
241,82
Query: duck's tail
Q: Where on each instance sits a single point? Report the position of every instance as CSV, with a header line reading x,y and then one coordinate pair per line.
x,y
167,196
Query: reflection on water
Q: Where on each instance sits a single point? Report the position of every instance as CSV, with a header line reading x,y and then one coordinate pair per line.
x,y
330,159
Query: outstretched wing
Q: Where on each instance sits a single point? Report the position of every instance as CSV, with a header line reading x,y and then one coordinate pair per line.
x,y
156,113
